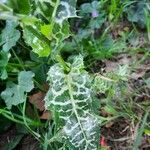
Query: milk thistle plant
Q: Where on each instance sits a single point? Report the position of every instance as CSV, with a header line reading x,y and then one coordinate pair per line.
x,y
65,68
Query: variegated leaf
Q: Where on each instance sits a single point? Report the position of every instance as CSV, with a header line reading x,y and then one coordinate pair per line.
x,y
65,10
71,96
82,133
40,47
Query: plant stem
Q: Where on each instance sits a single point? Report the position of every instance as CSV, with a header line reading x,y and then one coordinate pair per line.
x,y
62,63
21,64
3,7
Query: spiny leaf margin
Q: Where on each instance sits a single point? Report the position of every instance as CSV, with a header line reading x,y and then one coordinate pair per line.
x,y
71,96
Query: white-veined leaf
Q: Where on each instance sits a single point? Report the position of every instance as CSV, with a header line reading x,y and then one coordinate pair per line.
x,y
71,96
82,134
65,10
39,47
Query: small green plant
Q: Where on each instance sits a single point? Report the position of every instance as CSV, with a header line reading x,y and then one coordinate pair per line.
x,y
70,97
48,85
136,12
115,9
147,11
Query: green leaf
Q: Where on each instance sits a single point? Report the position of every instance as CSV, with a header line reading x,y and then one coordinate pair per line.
x,y
140,130
9,36
110,110
71,96
82,133
90,7
15,94
101,85
25,80
136,13
22,7
47,30
4,58
96,23
57,35
7,15
86,8
65,10
3,7
14,142
147,131
147,81
60,34
27,20
3,1
39,46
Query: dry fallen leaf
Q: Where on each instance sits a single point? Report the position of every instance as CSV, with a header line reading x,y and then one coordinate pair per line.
x,y
37,100
140,71
109,124
122,59
46,86
46,115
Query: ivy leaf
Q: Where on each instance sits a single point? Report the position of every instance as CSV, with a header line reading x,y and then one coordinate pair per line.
x,y
15,94
71,96
4,58
65,10
9,36
39,46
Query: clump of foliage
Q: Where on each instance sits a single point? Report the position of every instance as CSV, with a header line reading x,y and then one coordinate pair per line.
x,y
70,97
50,46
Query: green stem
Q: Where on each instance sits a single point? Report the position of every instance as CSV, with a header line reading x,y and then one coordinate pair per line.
x,y
39,86
3,7
35,134
21,64
54,13
17,118
25,65
138,138
62,63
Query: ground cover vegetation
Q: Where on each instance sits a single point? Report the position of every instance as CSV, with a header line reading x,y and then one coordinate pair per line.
x,y
75,75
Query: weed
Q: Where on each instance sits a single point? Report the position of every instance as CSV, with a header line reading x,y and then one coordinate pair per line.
x,y
48,88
